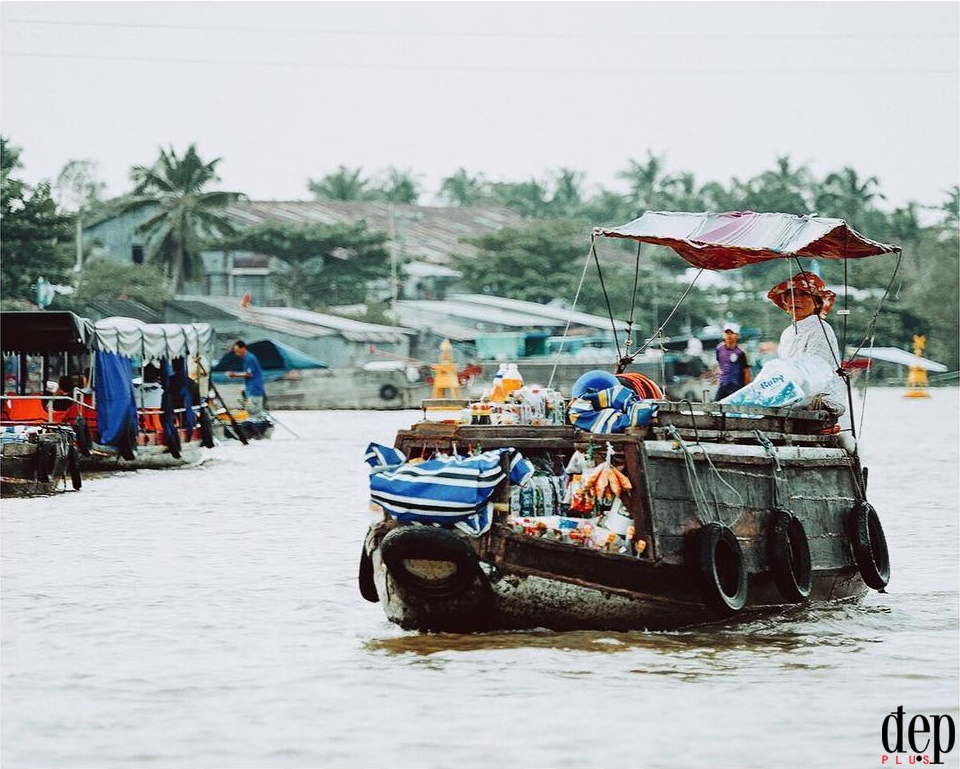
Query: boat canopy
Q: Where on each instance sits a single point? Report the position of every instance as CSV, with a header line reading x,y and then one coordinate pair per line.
x,y
739,238
43,332
131,338
276,360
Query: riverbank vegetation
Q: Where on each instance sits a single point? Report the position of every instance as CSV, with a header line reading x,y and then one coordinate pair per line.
x,y
541,261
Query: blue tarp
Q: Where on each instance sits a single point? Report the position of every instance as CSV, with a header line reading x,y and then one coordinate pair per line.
x,y
116,397
276,359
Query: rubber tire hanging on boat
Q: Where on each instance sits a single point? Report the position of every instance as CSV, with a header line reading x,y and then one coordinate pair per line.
x,y
127,444
429,543
368,588
388,392
869,545
73,467
789,556
206,429
172,441
720,568
46,460
84,440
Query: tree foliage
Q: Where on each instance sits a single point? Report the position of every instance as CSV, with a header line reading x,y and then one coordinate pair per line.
x,y
323,265
350,185
104,279
181,216
924,298
35,235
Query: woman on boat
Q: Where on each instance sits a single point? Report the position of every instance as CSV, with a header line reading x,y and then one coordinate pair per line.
x,y
808,300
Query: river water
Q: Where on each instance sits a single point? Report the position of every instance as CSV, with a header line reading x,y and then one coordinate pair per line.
x,y
209,617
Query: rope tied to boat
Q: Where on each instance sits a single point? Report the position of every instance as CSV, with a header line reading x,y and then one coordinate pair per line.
x,y
576,298
776,476
696,486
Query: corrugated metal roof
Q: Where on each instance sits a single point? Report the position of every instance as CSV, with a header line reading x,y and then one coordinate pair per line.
x,y
305,323
541,310
95,309
354,330
427,233
475,313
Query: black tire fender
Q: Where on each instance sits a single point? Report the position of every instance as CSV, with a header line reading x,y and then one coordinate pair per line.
x,y
73,467
388,392
368,588
127,445
172,441
869,545
46,460
206,429
84,440
720,569
789,556
429,543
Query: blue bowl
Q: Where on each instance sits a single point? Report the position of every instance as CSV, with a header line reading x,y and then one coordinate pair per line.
x,y
593,382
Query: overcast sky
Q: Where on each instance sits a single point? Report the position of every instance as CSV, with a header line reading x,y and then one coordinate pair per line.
x,y
286,92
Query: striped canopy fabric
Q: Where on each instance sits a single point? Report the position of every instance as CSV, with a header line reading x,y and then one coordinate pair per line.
x,y
447,490
738,238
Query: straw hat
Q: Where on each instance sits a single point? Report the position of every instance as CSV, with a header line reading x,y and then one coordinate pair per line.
x,y
802,283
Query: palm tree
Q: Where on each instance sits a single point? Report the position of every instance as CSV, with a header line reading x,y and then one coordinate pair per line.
x,y
567,195
679,192
400,187
951,208
715,197
844,194
342,184
181,216
644,180
529,199
461,189
785,188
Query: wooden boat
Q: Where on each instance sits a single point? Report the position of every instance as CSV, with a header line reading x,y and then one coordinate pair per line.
x,y
38,460
235,423
118,420
148,407
700,513
42,434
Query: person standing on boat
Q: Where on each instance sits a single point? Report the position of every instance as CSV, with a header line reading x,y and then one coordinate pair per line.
x,y
253,392
734,368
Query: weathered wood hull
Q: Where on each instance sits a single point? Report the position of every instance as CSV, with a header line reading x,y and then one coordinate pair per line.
x,y
38,467
681,487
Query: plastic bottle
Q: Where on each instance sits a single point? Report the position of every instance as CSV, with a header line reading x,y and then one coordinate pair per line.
x,y
512,379
498,394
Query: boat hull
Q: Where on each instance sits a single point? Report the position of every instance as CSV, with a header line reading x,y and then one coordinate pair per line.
x,y
539,584
149,457
41,465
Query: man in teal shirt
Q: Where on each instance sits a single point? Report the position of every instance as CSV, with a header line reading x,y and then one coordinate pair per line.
x,y
252,374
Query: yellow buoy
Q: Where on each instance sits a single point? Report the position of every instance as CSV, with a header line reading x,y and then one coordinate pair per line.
x,y
917,377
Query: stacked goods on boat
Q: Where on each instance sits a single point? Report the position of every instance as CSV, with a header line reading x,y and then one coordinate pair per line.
x,y
636,514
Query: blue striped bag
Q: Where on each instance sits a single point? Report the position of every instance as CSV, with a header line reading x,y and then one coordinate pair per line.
x,y
451,490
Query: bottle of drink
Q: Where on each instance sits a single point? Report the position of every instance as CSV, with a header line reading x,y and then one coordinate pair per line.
x,y
512,379
498,394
